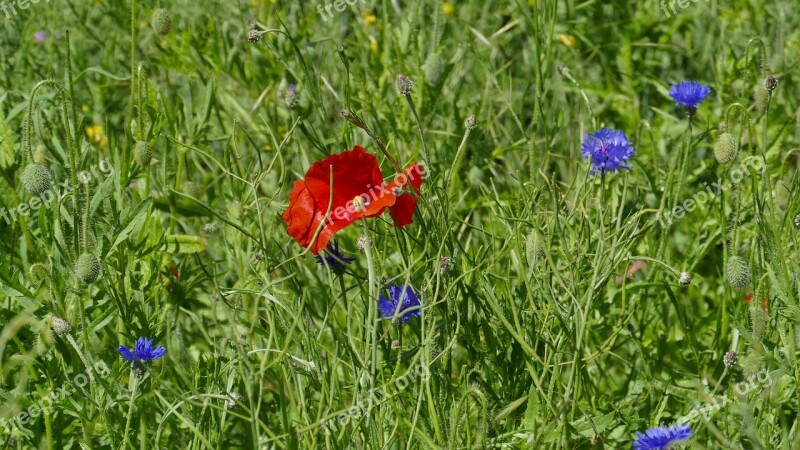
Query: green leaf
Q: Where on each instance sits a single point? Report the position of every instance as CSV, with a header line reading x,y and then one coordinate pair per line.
x,y
182,243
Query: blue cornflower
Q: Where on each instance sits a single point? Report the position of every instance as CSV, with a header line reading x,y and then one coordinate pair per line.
x,y
609,150
662,438
403,296
689,94
142,352
334,258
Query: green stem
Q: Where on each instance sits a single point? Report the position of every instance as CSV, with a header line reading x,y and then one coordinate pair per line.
x,y
457,163
419,127
134,383
372,303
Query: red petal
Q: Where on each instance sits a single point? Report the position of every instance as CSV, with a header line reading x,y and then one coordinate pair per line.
x,y
403,210
355,173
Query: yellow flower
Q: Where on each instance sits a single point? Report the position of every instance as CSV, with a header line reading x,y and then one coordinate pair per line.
x,y
96,135
85,108
369,18
566,39
448,9
373,45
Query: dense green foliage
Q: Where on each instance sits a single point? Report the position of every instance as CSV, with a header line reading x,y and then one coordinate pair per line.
x,y
560,309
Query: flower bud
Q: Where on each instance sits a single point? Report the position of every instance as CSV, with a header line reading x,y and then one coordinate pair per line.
x,y
730,359
292,98
770,83
234,399
363,242
404,86
60,326
471,122
142,153
725,149
87,268
36,179
162,21
738,273
685,279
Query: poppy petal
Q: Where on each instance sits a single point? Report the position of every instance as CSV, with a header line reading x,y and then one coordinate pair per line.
x,y
403,209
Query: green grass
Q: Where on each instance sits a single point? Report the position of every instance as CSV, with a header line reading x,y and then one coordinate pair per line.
x,y
531,337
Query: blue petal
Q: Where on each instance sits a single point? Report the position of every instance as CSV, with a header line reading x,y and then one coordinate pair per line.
x,y
126,353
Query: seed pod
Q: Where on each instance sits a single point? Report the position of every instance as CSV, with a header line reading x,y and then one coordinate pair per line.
x,y
738,273
60,326
36,179
142,153
162,21
87,268
762,98
725,149
434,67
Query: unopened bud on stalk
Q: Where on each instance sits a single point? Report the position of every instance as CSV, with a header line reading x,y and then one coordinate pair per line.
x,y
60,326
471,122
162,21
738,273
404,86
685,279
725,149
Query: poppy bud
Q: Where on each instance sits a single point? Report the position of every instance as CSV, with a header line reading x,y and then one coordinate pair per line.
x,y
534,252
142,153
762,99
36,179
60,326
404,86
725,149
162,21
87,268
434,67
685,279
738,273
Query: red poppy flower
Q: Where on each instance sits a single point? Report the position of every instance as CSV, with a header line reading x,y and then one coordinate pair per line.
x,y
749,298
358,192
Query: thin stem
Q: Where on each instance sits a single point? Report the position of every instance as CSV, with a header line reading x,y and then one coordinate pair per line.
x,y
419,127
372,302
457,162
134,383
74,344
